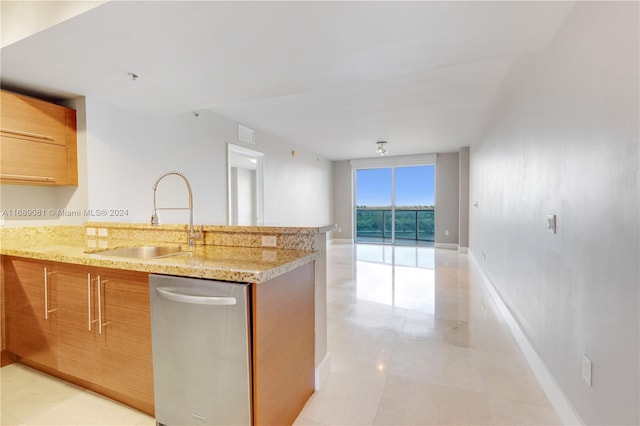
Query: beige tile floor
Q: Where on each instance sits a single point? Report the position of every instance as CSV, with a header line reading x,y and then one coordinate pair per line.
x,y
414,338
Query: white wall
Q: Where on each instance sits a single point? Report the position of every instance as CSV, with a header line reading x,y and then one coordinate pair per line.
x,y
447,198
343,199
297,188
463,205
564,141
127,152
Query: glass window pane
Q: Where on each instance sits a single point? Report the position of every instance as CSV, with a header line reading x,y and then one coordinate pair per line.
x,y
373,205
414,203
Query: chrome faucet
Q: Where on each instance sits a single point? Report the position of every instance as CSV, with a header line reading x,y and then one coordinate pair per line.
x,y
155,219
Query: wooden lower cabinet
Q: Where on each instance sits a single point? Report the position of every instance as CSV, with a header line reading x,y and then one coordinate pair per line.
x,y
283,346
127,365
31,333
99,334
96,332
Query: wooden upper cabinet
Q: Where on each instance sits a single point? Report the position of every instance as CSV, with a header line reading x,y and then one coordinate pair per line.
x,y
38,142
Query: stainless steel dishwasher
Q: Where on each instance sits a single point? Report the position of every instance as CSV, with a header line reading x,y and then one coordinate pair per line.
x,y
201,360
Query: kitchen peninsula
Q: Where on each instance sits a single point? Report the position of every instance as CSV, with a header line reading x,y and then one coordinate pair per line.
x,y
60,319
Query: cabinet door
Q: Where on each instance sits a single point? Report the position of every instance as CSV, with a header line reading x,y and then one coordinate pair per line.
x,y
126,336
38,142
78,338
28,162
34,119
31,309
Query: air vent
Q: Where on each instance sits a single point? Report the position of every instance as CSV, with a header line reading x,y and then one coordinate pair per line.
x,y
245,134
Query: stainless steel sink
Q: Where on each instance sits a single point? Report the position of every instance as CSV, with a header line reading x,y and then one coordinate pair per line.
x,y
145,252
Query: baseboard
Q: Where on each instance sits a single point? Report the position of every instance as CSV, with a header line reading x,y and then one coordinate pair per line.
x,y
463,249
448,246
323,370
340,241
559,400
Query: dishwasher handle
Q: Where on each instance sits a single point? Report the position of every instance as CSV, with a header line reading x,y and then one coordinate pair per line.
x,y
177,294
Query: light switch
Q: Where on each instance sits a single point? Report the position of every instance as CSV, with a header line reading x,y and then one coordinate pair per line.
x,y
551,223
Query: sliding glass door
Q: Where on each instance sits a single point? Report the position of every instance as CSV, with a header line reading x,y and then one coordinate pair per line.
x,y
374,199
395,205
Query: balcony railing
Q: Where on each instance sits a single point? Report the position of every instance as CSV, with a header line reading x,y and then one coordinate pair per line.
x,y
409,224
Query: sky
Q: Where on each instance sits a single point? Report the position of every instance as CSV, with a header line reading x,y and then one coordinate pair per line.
x,y
415,186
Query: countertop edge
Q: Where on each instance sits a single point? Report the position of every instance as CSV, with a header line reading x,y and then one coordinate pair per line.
x,y
164,266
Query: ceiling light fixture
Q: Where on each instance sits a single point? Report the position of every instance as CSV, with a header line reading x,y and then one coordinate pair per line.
x,y
381,147
133,76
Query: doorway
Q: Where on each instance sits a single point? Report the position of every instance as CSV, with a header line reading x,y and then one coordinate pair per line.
x,y
245,190
395,205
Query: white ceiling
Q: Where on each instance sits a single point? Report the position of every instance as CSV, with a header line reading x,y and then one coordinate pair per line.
x,y
331,77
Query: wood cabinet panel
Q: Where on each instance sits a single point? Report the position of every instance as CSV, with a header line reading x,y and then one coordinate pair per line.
x,y
126,358
28,162
38,142
283,346
105,331
29,332
26,117
78,341
114,359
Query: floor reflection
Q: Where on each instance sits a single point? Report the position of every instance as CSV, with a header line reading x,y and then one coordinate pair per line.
x,y
415,339
402,277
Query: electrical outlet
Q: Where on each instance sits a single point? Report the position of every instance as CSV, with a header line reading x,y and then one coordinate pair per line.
x,y
586,369
102,232
446,232
269,241
91,232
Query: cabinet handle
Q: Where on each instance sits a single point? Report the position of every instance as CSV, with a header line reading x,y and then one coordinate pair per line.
x,y
100,323
28,134
89,322
47,311
27,178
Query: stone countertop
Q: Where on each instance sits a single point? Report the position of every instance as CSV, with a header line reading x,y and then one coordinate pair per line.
x,y
238,264
268,230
